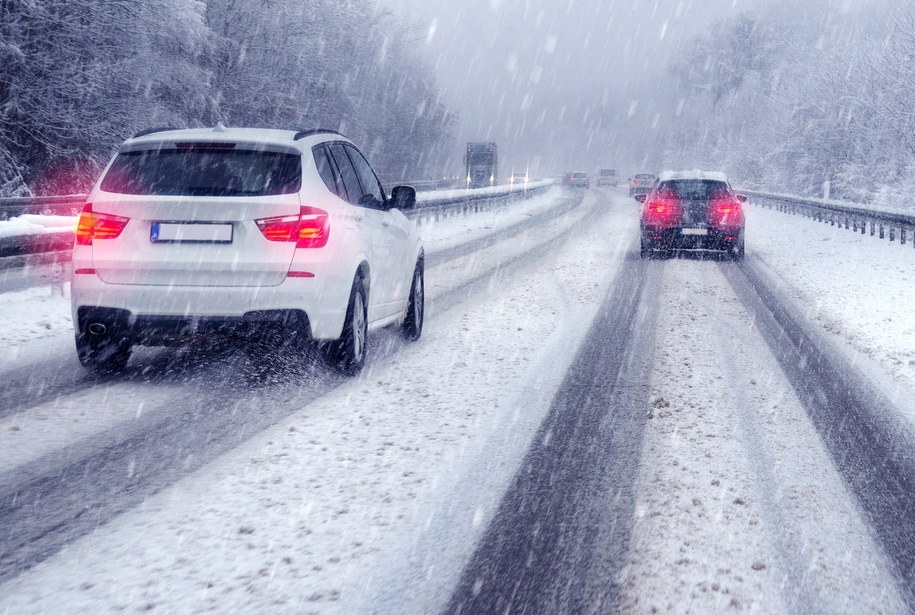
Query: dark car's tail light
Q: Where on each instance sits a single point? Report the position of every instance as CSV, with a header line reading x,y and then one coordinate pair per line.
x,y
661,211
309,229
94,225
726,212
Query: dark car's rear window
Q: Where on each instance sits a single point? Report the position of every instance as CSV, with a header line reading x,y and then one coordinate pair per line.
x,y
202,171
644,176
693,189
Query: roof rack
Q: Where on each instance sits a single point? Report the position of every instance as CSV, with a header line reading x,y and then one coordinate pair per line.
x,y
150,131
314,131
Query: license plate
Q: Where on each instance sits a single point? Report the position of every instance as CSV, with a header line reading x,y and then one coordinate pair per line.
x,y
190,232
694,231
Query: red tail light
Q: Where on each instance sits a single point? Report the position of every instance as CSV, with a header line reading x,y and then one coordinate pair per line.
x,y
661,212
724,207
309,229
726,212
661,206
93,225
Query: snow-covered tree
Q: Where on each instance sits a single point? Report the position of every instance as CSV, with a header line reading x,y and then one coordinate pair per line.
x,y
79,76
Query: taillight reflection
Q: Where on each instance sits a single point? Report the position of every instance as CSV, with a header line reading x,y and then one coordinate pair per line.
x,y
94,225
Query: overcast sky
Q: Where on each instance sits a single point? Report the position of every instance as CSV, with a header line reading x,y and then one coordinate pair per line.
x,y
545,79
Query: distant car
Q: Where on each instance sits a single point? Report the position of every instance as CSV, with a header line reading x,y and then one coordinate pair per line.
x,y
518,178
641,183
692,210
241,231
577,180
607,177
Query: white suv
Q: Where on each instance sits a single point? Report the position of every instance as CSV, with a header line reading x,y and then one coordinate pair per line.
x,y
243,231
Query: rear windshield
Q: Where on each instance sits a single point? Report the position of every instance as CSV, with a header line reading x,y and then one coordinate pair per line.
x,y
607,172
579,175
204,172
694,189
644,176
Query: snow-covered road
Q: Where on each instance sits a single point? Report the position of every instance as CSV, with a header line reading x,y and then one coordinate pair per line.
x,y
201,480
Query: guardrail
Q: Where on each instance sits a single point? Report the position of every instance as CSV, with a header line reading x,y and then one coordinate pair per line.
x,y
858,219
431,206
42,205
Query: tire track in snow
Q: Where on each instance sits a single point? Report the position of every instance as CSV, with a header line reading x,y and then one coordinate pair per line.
x,y
870,448
562,528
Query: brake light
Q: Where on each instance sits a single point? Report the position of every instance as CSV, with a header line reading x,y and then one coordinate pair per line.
x,y
93,225
661,206
661,212
726,213
725,207
285,228
309,229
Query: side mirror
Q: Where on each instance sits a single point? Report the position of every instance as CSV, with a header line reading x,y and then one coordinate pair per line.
x,y
641,197
742,198
403,198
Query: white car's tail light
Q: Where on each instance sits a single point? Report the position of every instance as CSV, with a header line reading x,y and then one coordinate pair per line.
x,y
309,229
94,225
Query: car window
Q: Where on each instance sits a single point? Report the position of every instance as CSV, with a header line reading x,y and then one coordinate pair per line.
x,y
212,170
693,189
372,193
327,172
347,173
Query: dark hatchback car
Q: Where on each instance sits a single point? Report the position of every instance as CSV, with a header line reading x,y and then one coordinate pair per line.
x,y
577,180
692,210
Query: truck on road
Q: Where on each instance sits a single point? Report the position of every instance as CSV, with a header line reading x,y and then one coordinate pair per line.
x,y
482,162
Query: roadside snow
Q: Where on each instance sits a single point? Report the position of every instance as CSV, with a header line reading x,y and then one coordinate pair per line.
x,y
33,318
34,224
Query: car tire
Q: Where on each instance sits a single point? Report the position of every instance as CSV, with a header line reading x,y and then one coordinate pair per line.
x,y
416,309
103,356
347,354
738,250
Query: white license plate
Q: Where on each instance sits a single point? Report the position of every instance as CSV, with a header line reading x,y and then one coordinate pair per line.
x,y
190,232
694,231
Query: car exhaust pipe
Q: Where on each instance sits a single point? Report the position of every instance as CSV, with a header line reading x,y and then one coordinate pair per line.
x,y
97,328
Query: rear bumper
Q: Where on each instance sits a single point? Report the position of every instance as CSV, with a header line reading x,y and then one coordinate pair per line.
x,y
167,330
151,312
673,239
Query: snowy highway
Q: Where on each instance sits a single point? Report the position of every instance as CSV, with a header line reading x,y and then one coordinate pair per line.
x,y
578,430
